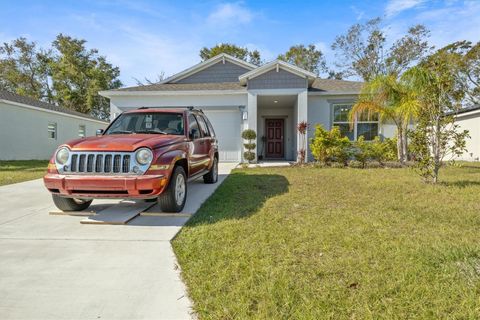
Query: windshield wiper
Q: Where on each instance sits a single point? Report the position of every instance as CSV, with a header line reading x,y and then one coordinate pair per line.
x,y
148,132
120,132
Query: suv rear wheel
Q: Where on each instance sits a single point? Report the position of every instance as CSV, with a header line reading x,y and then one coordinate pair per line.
x,y
70,204
174,197
212,176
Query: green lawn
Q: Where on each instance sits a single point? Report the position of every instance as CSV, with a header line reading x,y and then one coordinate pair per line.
x,y
22,170
311,243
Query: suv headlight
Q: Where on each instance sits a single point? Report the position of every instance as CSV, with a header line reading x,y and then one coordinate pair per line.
x,y
144,156
62,155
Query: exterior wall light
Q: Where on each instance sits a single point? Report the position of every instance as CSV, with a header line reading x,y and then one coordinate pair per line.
x,y
245,115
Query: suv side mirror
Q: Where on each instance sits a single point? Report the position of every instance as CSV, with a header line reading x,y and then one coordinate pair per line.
x,y
100,132
193,134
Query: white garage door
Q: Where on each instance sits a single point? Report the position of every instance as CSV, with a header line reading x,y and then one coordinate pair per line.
x,y
227,128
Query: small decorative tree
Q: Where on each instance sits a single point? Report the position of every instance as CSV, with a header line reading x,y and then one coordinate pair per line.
x,y
302,130
249,135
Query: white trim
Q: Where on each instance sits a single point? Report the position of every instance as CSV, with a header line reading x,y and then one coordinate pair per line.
x,y
205,64
466,114
109,94
50,111
277,92
277,64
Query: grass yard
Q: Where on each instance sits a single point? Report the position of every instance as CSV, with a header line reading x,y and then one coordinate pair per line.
x,y
310,243
18,171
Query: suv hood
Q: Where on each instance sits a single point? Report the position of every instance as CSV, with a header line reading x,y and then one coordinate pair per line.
x,y
123,142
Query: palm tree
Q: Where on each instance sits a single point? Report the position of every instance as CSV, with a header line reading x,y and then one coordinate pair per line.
x,y
394,100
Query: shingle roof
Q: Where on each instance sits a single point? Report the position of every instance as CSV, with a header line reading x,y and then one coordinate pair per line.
x,y
186,87
332,85
319,85
5,95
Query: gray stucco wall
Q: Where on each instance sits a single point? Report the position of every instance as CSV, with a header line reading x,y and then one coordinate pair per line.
x,y
277,80
24,134
219,72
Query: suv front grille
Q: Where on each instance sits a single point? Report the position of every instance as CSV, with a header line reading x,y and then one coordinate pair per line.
x,y
100,162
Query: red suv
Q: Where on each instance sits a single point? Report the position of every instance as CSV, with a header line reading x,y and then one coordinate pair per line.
x,y
148,153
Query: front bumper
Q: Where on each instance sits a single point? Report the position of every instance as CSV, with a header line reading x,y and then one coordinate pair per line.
x,y
105,187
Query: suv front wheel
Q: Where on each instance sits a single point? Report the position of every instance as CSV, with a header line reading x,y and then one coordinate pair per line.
x,y
174,197
70,204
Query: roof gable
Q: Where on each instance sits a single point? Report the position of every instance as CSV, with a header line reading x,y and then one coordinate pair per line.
x,y
221,58
277,65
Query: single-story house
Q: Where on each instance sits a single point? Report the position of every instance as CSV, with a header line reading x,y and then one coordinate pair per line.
x,y
270,99
469,119
32,129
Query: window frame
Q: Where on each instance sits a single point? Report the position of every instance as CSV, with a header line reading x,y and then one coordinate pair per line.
x,y
355,122
198,127
54,131
200,121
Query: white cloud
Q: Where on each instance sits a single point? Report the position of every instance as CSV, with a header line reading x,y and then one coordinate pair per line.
x,y
359,14
394,7
229,14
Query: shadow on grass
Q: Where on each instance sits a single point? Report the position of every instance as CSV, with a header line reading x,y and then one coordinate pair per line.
x,y
23,165
460,183
240,196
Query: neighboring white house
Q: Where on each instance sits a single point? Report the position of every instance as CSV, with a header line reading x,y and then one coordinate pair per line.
x,y
271,99
469,119
32,129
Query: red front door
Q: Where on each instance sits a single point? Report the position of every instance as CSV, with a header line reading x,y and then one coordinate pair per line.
x,y
275,129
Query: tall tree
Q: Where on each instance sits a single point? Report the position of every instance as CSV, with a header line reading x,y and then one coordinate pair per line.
x,y
436,137
363,51
394,100
67,74
309,58
233,50
24,69
78,74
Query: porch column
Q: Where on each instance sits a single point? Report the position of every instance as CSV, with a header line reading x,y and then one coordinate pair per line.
x,y
302,114
252,118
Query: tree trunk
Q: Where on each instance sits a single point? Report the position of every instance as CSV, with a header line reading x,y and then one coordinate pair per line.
x,y
405,144
400,145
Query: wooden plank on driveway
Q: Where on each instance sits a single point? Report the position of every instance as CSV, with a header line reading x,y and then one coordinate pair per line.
x,y
119,214
91,211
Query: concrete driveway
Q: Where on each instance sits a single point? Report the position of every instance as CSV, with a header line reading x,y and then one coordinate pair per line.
x,y
53,267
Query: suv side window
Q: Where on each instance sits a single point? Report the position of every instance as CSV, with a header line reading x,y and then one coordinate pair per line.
x,y
193,130
203,126
210,127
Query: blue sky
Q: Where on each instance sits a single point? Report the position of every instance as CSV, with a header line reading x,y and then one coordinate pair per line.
x,y
145,38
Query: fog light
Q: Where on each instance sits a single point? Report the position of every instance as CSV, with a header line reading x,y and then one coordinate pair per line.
x,y
136,169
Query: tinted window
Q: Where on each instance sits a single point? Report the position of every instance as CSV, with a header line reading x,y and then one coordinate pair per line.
x,y
146,122
203,126
210,127
194,131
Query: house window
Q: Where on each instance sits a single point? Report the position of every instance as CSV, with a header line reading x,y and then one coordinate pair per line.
x,y
52,130
365,124
82,131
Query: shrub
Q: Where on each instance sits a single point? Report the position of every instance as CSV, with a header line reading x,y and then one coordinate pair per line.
x,y
337,165
356,164
249,135
363,151
330,146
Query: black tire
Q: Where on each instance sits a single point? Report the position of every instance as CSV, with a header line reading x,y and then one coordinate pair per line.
x,y
212,175
70,204
171,200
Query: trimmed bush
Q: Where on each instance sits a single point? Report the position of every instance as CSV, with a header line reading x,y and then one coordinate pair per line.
x,y
249,135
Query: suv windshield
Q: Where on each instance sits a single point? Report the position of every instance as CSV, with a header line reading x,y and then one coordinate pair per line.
x,y
150,123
